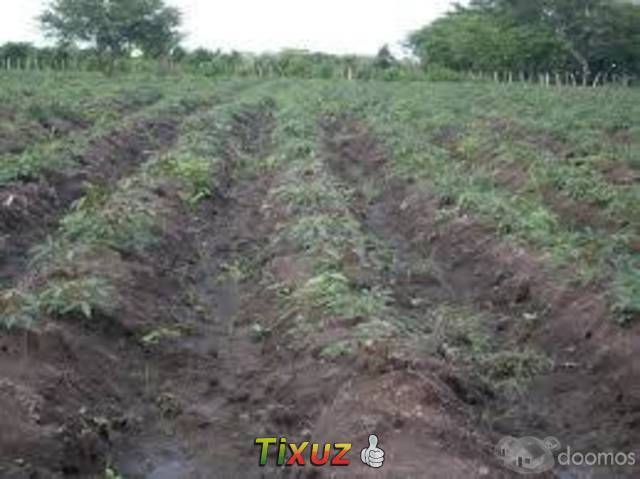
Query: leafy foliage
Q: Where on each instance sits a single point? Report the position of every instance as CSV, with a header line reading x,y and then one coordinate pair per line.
x,y
114,27
83,296
543,35
195,171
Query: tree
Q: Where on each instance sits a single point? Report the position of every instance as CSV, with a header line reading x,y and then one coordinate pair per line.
x,y
385,59
480,40
114,27
200,57
593,36
592,33
16,53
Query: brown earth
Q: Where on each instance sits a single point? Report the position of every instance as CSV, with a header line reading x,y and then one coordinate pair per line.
x,y
590,399
31,210
79,395
83,395
230,387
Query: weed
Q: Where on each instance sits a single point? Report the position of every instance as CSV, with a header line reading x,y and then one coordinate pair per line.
x,y
47,113
123,227
322,232
466,338
511,371
159,335
313,196
581,182
237,271
331,293
626,291
195,171
338,349
82,296
18,309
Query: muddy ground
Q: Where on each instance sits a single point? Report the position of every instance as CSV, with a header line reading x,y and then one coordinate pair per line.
x,y
77,399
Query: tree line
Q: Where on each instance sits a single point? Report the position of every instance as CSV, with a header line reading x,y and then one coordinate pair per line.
x,y
551,41
287,63
590,40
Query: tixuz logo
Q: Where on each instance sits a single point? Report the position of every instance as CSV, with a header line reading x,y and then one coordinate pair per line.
x,y
290,454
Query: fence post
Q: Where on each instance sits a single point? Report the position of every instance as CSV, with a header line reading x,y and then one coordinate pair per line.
x,y
596,80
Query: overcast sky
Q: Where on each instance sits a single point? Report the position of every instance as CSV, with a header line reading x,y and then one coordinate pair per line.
x,y
335,26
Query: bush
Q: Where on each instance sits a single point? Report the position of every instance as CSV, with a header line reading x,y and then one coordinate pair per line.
x,y
439,73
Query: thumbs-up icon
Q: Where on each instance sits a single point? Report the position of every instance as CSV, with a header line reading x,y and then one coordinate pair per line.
x,y
372,455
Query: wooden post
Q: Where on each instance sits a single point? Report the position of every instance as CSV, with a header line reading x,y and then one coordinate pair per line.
x,y
596,80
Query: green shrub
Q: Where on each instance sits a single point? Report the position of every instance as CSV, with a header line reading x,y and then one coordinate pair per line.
x,y
17,309
83,296
439,73
195,171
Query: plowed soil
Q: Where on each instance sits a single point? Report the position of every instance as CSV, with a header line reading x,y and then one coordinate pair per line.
x,y
78,397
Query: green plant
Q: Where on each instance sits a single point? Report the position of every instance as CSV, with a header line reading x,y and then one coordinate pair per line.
x,y
195,171
331,293
316,195
237,270
158,335
321,232
512,370
338,349
626,291
83,296
18,309
467,339
121,223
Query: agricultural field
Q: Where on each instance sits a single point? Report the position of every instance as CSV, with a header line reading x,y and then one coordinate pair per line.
x,y
188,264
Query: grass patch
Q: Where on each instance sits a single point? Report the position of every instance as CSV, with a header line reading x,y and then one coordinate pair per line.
x,y
467,339
331,293
195,172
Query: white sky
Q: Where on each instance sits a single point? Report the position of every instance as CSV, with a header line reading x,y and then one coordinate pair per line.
x,y
335,26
